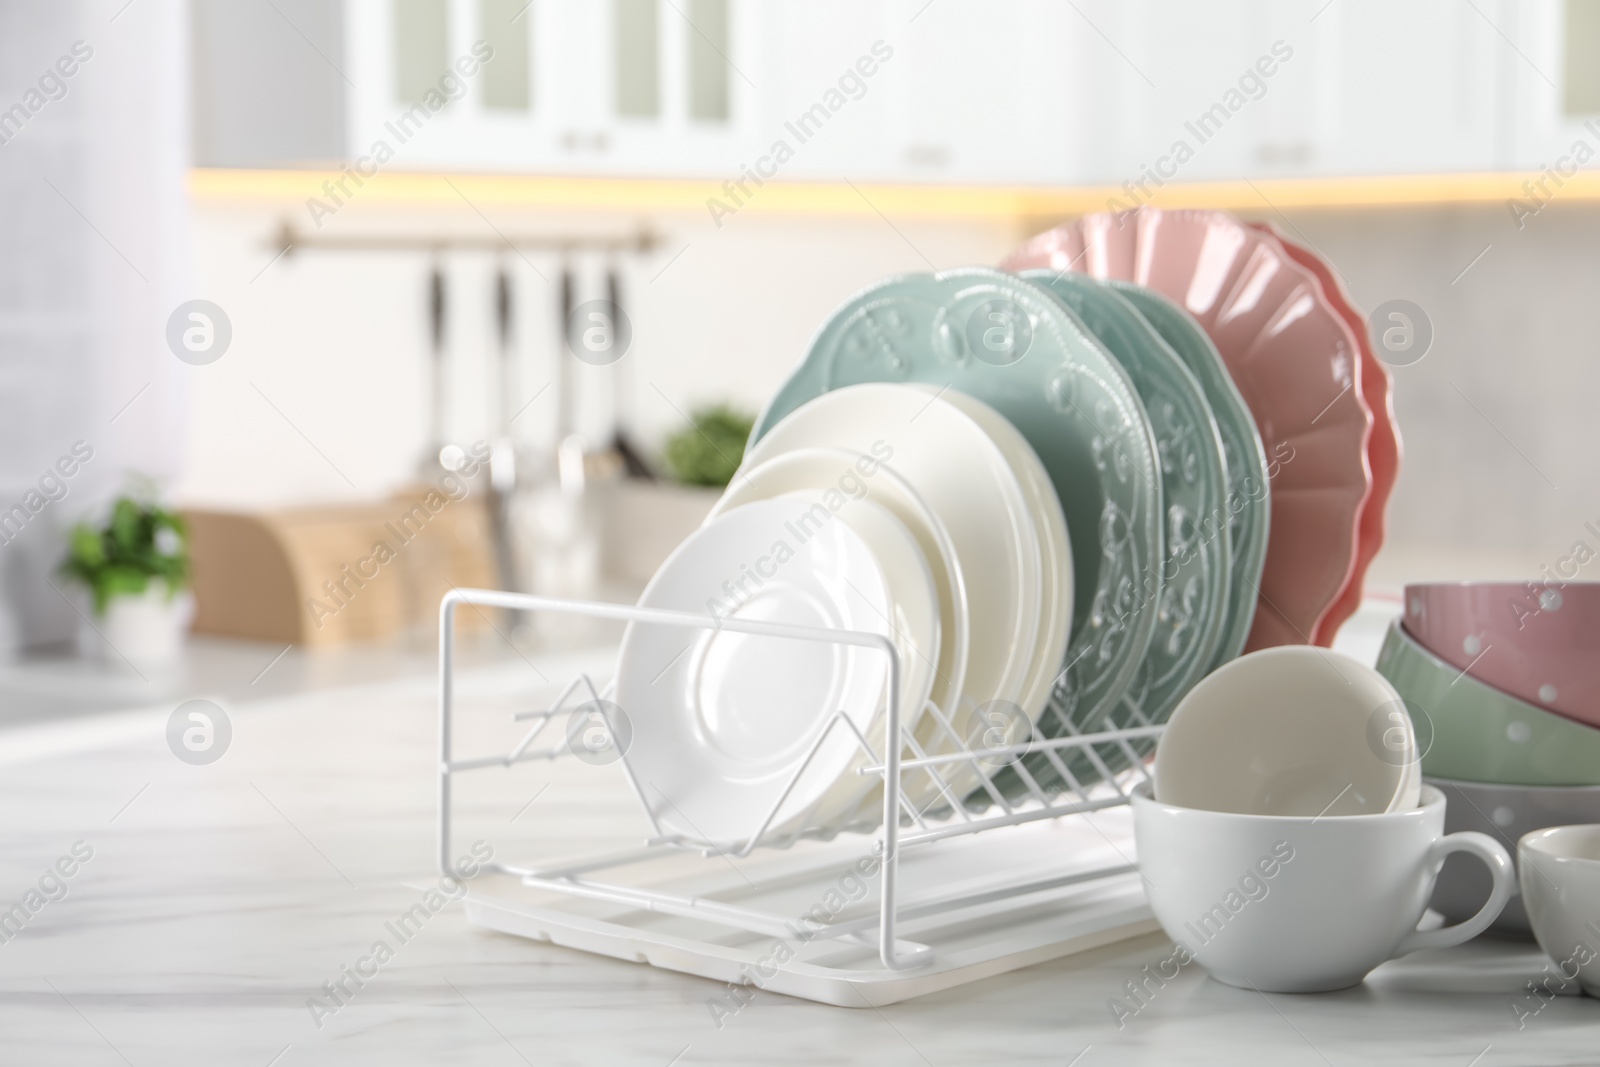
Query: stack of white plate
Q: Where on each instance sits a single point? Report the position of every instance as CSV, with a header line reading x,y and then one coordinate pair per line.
x,y
897,509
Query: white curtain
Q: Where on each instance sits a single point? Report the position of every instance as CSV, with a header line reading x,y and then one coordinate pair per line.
x,y
94,253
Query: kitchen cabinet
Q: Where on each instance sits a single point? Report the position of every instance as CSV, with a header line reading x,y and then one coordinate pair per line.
x,y
1251,88
657,98
988,95
1552,98
1163,92
357,77
826,93
1416,87
296,47
885,91
953,91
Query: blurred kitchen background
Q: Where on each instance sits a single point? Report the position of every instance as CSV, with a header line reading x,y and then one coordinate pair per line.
x,y
387,276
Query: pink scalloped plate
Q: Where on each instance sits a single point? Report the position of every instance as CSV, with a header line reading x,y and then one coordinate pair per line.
x,y
1294,360
1383,450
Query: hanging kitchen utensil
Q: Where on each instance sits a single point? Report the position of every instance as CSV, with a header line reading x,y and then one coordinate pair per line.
x,y
437,310
503,453
565,384
622,441
565,548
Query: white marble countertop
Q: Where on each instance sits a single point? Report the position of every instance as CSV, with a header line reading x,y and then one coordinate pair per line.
x,y
218,899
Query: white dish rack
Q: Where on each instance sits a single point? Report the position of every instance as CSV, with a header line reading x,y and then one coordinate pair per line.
x,y
891,909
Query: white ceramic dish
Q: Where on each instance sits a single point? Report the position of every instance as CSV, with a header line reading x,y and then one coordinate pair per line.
x,y
722,722
914,618
1290,731
956,467
1050,527
857,477
1561,890
1303,904
849,474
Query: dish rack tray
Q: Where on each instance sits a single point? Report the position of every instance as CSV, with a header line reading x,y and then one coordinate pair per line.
x,y
886,908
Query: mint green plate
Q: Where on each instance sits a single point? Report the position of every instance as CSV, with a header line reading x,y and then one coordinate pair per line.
x,y
1191,592
1020,350
1249,503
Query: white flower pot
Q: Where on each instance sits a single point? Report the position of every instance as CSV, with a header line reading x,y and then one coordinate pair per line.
x,y
148,628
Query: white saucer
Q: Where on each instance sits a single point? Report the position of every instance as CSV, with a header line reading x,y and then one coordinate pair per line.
x,y
925,583
954,465
1050,526
914,614
722,721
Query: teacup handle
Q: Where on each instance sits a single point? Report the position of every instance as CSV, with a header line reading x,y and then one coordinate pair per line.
x,y
1498,861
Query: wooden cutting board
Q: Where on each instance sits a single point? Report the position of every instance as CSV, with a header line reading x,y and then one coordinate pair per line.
x,y
333,574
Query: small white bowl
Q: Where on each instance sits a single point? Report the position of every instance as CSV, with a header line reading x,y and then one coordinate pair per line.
x,y
1290,731
1559,869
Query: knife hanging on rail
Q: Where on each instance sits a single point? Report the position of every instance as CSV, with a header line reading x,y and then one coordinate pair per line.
x,y
503,454
563,366
437,311
622,442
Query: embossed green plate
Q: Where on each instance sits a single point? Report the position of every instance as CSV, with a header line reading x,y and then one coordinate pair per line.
x,y
1019,349
1249,488
1191,597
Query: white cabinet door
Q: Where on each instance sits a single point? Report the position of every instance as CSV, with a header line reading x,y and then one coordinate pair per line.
x,y
1193,92
1553,126
1253,88
1134,94
701,118
992,94
1417,86
831,77
686,104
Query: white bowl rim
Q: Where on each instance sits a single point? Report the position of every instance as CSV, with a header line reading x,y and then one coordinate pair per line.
x,y
1521,583
1534,841
1431,797
1505,787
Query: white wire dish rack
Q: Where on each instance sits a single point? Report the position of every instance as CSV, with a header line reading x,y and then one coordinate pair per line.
x,y
908,904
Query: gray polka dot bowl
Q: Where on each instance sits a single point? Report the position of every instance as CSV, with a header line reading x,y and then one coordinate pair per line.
x,y
1506,813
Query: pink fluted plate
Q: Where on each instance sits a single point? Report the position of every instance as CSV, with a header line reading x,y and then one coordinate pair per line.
x,y
1538,641
1383,450
1294,360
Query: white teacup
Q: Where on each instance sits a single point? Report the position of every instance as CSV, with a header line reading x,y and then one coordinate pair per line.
x,y
1298,904
1560,872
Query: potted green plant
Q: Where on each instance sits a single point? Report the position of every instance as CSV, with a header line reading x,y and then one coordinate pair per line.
x,y
710,448
135,570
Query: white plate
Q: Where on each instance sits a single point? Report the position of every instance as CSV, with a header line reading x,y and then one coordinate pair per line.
x,y
1050,526
956,467
914,615
722,721
934,664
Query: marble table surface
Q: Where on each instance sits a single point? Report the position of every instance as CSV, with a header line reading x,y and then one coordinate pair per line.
x,y
208,904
